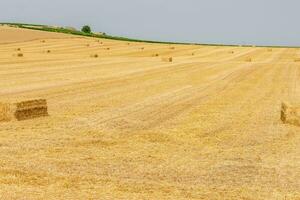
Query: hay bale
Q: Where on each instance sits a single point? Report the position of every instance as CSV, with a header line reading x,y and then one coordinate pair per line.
x,y
248,60
142,48
48,51
31,109
155,55
107,48
23,110
5,112
20,55
18,49
95,55
290,114
172,47
43,41
297,60
170,59
270,50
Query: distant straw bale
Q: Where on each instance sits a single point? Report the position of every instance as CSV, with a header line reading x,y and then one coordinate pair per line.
x,y
23,110
170,59
20,55
248,60
297,60
5,112
95,55
290,114
155,55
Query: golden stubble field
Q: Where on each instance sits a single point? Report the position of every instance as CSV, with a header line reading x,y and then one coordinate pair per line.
x,y
127,124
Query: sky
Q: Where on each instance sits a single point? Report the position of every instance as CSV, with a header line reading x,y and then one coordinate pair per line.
x,y
253,22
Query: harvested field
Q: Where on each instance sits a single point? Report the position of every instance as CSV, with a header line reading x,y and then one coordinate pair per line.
x,y
13,35
129,126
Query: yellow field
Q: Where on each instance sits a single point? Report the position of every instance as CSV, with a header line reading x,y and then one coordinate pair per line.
x,y
128,125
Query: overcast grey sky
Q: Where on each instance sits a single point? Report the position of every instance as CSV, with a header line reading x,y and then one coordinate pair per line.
x,y
260,22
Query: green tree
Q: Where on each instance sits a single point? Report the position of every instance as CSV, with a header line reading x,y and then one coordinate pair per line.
x,y
86,29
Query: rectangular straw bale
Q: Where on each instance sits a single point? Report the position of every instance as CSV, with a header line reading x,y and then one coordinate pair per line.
x,y
5,112
290,114
31,109
170,59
